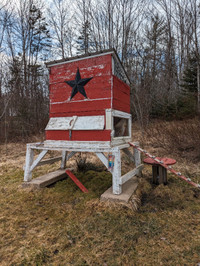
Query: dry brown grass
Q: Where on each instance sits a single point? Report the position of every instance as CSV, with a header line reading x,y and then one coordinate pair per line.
x,y
62,226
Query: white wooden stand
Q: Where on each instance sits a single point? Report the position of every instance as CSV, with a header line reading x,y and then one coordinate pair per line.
x,y
68,149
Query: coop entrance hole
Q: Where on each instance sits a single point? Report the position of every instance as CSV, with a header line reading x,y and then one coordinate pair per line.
x,y
120,127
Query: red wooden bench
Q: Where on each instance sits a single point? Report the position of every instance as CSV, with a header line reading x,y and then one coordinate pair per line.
x,y
159,173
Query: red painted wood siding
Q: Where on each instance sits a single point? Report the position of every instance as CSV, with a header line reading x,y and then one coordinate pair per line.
x,y
104,91
98,89
79,135
121,95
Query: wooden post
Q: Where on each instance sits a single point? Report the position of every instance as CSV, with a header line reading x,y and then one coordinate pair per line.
x,y
137,156
29,161
116,175
155,174
63,160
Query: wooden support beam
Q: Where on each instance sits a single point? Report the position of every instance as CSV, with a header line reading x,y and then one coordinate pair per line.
x,y
102,158
37,160
71,155
129,154
116,174
63,161
29,161
130,174
49,161
76,181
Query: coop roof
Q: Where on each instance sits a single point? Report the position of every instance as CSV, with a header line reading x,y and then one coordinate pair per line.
x,y
85,56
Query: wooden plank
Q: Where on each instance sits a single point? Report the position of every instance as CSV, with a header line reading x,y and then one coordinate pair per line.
x,y
78,146
80,123
116,174
79,135
155,174
129,154
109,120
29,161
131,174
86,105
137,155
38,159
121,105
88,67
46,180
98,87
71,154
102,158
78,113
76,181
64,159
49,161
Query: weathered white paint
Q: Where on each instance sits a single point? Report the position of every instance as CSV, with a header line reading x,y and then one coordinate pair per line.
x,y
37,160
78,101
130,174
49,161
109,119
103,158
117,180
121,114
116,174
63,161
71,155
28,163
137,155
76,123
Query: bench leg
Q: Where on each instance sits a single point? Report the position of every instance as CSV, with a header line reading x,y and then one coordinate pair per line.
x,y
155,174
159,174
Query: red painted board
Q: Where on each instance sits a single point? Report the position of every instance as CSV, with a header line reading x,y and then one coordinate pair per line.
x,y
119,84
97,66
78,113
79,135
83,106
165,160
121,105
96,88
121,95
76,181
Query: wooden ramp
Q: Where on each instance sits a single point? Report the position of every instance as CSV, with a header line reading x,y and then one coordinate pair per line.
x,y
46,180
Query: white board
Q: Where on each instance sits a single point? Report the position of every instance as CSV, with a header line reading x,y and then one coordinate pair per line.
x,y
76,123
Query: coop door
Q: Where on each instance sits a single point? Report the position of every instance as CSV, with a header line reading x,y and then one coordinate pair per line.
x,y
120,127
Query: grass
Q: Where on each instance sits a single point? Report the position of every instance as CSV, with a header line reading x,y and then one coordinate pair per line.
x,y
60,225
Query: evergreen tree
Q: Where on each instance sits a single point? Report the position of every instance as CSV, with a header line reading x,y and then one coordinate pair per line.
x,y
190,76
83,42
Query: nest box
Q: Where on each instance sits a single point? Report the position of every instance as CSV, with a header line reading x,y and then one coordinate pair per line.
x,y
89,100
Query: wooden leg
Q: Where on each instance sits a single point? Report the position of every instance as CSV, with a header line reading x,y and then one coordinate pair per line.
x,y
164,176
155,174
137,157
63,160
29,161
116,175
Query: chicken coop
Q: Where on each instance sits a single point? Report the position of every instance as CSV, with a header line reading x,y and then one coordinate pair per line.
x,y
89,112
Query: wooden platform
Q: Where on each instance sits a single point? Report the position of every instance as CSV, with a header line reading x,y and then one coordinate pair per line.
x,y
46,180
127,191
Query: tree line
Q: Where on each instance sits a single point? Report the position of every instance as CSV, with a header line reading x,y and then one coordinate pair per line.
x,y
156,40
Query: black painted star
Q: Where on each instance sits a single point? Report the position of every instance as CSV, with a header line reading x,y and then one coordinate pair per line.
x,y
78,85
